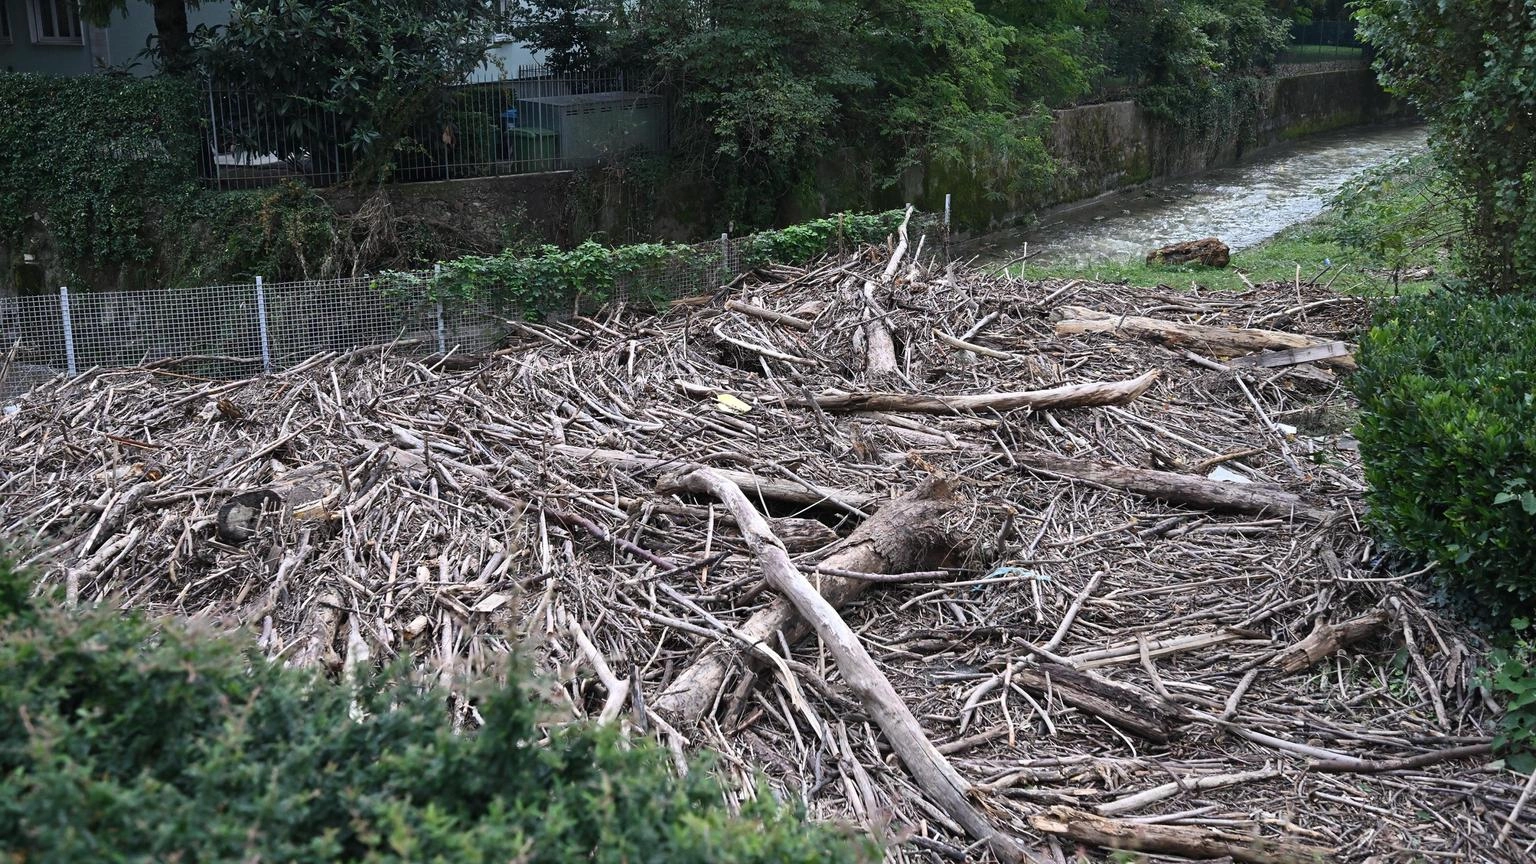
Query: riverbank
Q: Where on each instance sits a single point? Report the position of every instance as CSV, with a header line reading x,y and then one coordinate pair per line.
x,y
1383,231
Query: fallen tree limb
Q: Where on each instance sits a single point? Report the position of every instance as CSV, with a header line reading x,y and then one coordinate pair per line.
x,y
1072,320
1178,488
783,318
1327,639
776,490
1362,766
1184,841
1130,708
901,537
928,766
1186,784
1089,395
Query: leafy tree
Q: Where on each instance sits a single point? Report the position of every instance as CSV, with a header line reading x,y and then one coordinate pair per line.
x,y
172,41
1467,66
347,83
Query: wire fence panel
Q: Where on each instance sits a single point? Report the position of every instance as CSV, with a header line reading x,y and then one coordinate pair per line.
x,y
535,122
245,329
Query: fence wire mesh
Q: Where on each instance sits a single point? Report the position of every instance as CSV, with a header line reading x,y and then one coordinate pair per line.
x,y
243,329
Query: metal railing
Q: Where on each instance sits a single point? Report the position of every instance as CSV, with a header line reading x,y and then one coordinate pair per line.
x,y
1324,42
536,121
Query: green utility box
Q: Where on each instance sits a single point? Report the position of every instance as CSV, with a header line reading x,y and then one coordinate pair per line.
x,y
534,148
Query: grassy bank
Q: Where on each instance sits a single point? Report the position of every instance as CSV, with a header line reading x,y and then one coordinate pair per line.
x,y
1385,231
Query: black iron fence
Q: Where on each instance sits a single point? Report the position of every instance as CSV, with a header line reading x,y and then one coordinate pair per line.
x,y
536,121
1325,42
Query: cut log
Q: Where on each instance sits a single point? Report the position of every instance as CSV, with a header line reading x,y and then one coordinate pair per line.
x,y
1184,841
928,766
1177,488
904,535
1130,708
1292,356
1327,639
773,490
1225,341
1089,395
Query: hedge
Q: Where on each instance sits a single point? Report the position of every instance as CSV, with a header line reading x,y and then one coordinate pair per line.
x,y
1448,438
123,739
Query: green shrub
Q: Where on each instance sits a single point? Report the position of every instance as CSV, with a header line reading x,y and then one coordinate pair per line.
x,y
123,740
1512,679
1448,438
549,278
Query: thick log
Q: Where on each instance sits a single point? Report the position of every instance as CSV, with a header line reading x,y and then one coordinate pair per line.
x,y
928,766
1328,639
1090,395
904,535
774,490
1183,841
1253,498
1226,341
1130,708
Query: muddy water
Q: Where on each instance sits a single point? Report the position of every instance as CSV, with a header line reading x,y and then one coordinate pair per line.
x,y
1243,205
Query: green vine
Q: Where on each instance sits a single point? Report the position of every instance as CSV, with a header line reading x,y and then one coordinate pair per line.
x,y
98,161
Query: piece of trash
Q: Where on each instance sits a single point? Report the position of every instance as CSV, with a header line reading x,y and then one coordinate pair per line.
x,y
1223,474
731,405
1021,572
1286,429
12,410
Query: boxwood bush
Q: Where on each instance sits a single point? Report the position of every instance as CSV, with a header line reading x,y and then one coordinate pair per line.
x,y
1447,388
126,740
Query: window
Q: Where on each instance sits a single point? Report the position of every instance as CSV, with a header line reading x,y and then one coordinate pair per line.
x,y
5,24
55,22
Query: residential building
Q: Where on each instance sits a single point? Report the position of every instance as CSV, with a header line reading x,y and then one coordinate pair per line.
x,y
48,36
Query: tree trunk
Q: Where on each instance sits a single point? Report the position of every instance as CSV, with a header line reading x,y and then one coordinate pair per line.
x,y
171,28
1223,341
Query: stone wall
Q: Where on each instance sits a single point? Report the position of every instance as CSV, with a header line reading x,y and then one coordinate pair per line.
x,y
1115,145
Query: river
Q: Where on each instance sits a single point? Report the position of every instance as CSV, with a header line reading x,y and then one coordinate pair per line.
x,y
1243,205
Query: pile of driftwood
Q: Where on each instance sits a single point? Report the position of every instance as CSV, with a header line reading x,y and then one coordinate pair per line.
x,y
993,569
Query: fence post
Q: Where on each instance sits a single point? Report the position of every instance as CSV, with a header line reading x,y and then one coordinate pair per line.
x,y
442,341
69,330
725,258
946,212
261,323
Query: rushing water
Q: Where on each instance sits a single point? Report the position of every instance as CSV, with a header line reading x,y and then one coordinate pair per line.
x,y
1243,205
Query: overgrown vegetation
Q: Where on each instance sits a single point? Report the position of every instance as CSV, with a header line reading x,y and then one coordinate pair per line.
x,y
768,95
1448,438
98,163
548,278
123,739
1466,66
346,84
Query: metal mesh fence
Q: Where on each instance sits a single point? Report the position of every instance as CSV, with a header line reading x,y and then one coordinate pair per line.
x,y
537,121
228,331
